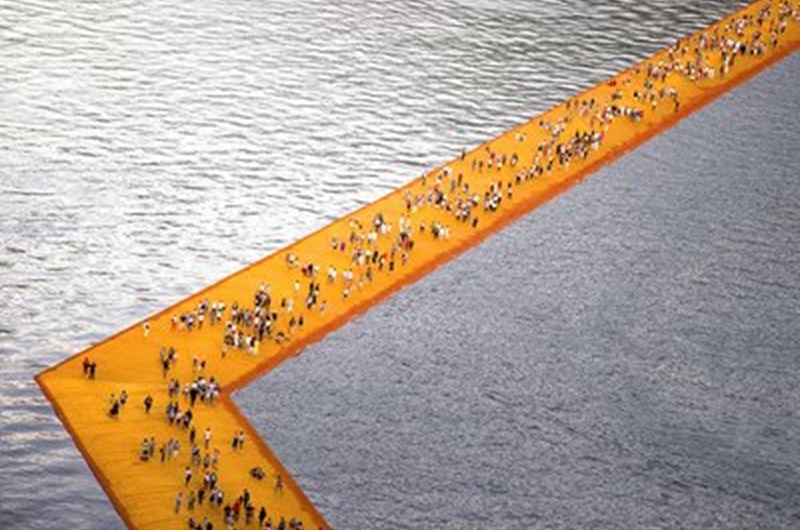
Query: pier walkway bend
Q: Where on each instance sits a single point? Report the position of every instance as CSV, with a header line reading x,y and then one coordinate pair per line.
x,y
190,458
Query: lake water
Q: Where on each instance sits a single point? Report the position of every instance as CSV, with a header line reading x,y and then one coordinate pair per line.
x,y
624,357
149,148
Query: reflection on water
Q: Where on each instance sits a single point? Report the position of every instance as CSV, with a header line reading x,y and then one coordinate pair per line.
x,y
147,149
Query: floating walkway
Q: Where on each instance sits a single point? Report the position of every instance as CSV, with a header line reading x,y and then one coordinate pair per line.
x,y
279,305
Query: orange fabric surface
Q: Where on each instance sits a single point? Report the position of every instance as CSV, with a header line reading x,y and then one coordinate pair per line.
x,y
144,492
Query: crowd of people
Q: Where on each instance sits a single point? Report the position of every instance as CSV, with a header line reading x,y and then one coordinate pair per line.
x,y
451,201
195,319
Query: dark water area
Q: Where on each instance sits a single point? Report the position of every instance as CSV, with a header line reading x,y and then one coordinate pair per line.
x,y
148,149
627,356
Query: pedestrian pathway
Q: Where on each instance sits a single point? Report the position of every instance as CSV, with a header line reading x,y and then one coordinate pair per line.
x,y
149,407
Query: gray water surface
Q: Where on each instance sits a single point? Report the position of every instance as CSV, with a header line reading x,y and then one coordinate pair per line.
x,y
149,148
627,356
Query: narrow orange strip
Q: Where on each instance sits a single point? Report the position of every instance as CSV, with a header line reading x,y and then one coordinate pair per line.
x,y
299,294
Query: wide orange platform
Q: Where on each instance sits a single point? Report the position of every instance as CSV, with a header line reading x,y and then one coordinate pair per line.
x,y
374,252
